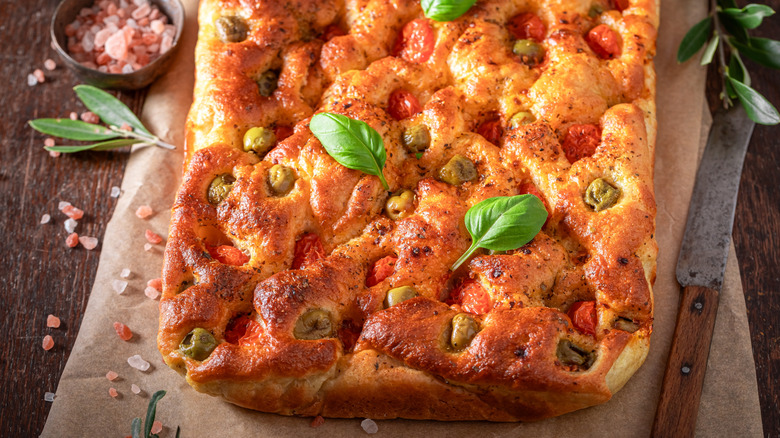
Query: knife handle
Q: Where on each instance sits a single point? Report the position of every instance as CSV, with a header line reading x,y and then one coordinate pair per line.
x,y
684,376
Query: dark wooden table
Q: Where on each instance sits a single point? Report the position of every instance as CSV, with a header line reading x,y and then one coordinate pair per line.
x,y
43,276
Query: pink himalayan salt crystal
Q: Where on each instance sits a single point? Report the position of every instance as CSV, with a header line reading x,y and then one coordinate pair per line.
x,y
90,117
38,73
49,142
144,212
88,242
123,331
155,283
48,396
103,36
125,273
54,154
73,115
152,237
116,46
147,246
111,375
126,127
62,205
157,26
115,192
138,363
369,426
49,64
151,293
48,343
157,426
45,219
165,45
317,421
113,393
31,80
141,12
119,286
73,212
136,390
72,240
52,321
70,225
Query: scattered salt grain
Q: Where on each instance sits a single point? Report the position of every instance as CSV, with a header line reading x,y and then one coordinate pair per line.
x,y
156,426
115,192
152,237
49,64
32,80
54,154
45,219
52,321
73,115
38,73
147,246
62,205
113,392
73,212
88,242
72,240
135,389
90,117
125,273
49,142
144,212
119,286
48,343
70,225
151,293
125,126
48,396
138,363
317,421
123,331
369,426
155,283
111,375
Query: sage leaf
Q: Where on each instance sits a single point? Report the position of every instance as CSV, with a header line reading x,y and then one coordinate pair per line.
x,y
110,109
101,146
709,52
151,411
750,16
72,129
693,41
445,10
503,223
762,50
757,107
352,143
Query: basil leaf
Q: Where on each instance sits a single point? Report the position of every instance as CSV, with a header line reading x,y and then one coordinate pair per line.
x,y
151,411
694,39
135,427
762,50
102,146
750,16
757,107
446,10
72,129
503,223
352,143
110,109
710,51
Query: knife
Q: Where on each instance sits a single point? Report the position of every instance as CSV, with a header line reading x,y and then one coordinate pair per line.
x,y
700,269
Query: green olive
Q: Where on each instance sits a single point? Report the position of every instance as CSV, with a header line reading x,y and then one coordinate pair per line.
x,y
521,118
198,344
231,29
529,51
259,140
595,10
281,179
220,188
416,139
571,355
400,205
463,330
458,170
314,324
601,195
399,295
625,324
267,82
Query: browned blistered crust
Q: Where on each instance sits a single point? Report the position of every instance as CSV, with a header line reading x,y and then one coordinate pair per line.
x,y
400,366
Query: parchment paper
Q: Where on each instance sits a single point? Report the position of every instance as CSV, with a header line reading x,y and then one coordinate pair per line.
x,y
83,407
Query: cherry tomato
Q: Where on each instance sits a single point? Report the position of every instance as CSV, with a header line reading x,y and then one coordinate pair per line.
x,y
620,5
348,333
472,297
583,316
526,26
415,42
282,132
307,250
332,31
581,141
402,104
603,41
243,331
381,270
491,130
228,255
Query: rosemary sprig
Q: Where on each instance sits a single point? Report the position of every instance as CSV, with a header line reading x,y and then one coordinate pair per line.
x,y
725,32
151,412
112,112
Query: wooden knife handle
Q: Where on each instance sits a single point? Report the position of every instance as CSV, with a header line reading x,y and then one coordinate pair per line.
x,y
684,376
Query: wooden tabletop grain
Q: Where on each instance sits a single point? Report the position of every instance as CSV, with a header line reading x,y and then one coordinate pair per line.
x,y
40,275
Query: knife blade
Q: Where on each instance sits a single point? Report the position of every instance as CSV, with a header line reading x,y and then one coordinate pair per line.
x,y
700,269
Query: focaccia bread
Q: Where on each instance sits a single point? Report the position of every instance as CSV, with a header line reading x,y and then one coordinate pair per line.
x,y
297,286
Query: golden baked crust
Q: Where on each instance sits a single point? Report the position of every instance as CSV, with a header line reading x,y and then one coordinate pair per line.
x,y
399,366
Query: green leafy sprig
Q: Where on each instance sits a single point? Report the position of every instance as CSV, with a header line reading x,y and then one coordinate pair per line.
x,y
503,223
725,32
151,412
445,10
112,112
352,143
